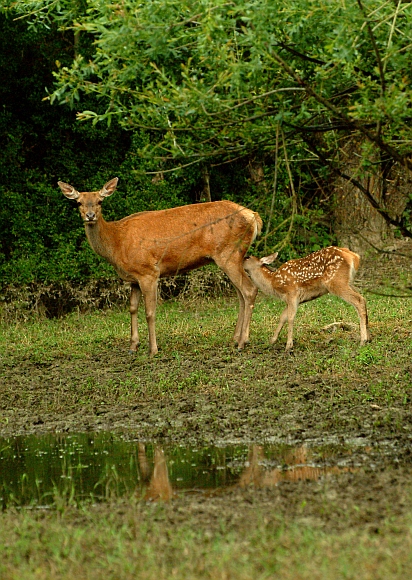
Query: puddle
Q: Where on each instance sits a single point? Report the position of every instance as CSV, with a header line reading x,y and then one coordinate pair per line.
x,y
44,470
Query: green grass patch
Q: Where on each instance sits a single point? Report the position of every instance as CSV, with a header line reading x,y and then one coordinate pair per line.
x,y
135,541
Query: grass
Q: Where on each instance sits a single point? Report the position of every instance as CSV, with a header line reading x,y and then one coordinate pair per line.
x,y
208,325
187,332
132,541
75,374
83,360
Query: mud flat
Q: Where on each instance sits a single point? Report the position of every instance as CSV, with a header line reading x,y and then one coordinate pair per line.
x,y
318,440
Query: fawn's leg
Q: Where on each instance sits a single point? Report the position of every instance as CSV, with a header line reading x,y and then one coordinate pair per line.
x,y
291,309
282,321
359,303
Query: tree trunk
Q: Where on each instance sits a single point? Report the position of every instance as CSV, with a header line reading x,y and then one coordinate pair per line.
x,y
357,224
205,194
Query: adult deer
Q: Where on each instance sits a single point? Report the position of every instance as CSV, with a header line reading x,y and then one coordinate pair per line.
x,y
146,246
329,270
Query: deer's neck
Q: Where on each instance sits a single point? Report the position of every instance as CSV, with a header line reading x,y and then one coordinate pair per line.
x,y
101,239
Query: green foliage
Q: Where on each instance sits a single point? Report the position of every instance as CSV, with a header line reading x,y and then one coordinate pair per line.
x,y
220,81
41,235
170,85
216,79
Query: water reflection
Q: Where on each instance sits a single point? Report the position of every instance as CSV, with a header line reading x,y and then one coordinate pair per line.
x,y
159,486
295,468
52,469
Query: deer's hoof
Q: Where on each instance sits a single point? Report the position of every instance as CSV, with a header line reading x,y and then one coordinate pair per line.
x,y
153,353
134,346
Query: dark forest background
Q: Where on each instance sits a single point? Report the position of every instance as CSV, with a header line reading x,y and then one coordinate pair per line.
x,y
305,203
42,238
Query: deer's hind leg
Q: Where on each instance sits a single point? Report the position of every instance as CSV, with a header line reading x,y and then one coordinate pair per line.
x,y
291,310
232,265
240,318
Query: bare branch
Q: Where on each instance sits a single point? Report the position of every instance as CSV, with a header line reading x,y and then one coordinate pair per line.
x,y
355,125
375,47
384,213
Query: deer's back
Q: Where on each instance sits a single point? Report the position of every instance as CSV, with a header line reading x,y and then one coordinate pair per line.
x,y
185,237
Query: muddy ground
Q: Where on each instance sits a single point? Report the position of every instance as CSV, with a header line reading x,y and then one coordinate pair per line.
x,y
39,399
197,396
262,401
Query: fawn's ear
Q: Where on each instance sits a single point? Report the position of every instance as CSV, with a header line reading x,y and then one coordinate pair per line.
x,y
269,259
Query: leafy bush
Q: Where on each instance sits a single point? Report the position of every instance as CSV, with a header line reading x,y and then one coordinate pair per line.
x,y
42,239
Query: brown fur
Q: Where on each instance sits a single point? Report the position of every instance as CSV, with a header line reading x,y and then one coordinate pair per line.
x,y
146,246
330,269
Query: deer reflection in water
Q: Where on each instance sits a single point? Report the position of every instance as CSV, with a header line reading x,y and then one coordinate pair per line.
x,y
295,468
158,482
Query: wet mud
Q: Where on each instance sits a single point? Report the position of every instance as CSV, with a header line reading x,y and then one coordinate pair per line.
x,y
270,404
197,396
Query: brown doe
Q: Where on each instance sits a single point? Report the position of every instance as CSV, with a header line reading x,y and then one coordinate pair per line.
x,y
329,270
146,246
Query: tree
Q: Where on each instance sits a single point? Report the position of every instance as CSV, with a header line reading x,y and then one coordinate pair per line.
x,y
41,236
213,81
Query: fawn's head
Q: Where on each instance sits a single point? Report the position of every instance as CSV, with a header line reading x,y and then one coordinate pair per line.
x,y
89,202
252,264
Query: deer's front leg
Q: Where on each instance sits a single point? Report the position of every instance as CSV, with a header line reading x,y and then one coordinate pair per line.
x,y
135,295
149,291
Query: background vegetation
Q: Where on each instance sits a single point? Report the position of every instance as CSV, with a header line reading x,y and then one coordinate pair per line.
x,y
252,101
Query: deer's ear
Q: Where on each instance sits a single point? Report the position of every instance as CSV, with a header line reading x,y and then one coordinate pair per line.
x,y
269,259
68,190
109,187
